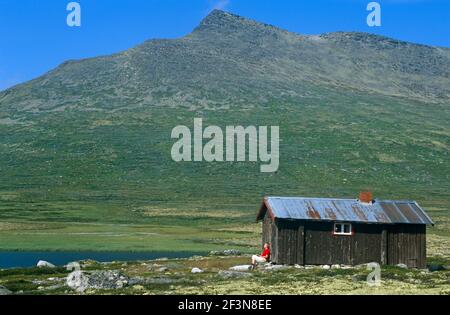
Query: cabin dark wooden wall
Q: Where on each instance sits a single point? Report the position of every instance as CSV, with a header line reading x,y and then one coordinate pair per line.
x,y
290,242
268,226
407,245
313,243
322,247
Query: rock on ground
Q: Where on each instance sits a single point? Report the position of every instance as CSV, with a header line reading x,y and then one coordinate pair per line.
x,y
4,291
82,281
45,264
196,270
241,268
78,281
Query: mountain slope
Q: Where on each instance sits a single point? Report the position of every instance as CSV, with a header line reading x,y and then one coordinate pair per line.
x,y
230,60
90,141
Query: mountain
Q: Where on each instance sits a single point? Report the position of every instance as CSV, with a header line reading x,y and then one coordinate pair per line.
x,y
231,60
90,140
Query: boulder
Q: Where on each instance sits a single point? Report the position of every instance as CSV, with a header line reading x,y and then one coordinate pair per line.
x,y
234,274
326,267
78,281
241,268
196,270
4,291
45,264
81,281
336,266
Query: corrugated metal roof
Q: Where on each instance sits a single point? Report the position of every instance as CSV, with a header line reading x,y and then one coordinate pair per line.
x,y
349,210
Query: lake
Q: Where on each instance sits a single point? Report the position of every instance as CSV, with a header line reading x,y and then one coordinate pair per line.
x,y
30,259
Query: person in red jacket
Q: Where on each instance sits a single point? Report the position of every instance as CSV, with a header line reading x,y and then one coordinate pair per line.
x,y
264,257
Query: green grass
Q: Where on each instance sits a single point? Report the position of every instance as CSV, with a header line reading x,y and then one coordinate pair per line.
x,y
112,173
113,237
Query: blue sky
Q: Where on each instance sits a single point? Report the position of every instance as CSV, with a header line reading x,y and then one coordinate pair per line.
x,y
35,38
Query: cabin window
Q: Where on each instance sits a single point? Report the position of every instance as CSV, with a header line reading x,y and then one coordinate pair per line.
x,y
342,229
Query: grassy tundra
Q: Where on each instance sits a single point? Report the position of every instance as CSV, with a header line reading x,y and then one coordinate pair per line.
x,y
85,158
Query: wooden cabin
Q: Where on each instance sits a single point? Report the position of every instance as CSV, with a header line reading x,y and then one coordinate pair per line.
x,y
322,231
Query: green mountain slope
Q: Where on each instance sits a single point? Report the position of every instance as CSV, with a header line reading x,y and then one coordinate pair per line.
x,y
231,60
90,140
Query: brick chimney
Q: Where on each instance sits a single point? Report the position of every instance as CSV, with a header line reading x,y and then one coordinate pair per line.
x,y
366,197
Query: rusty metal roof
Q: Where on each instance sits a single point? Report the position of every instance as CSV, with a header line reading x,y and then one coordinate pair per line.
x,y
347,210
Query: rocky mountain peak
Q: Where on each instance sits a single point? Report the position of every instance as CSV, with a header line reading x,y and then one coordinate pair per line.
x,y
222,22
